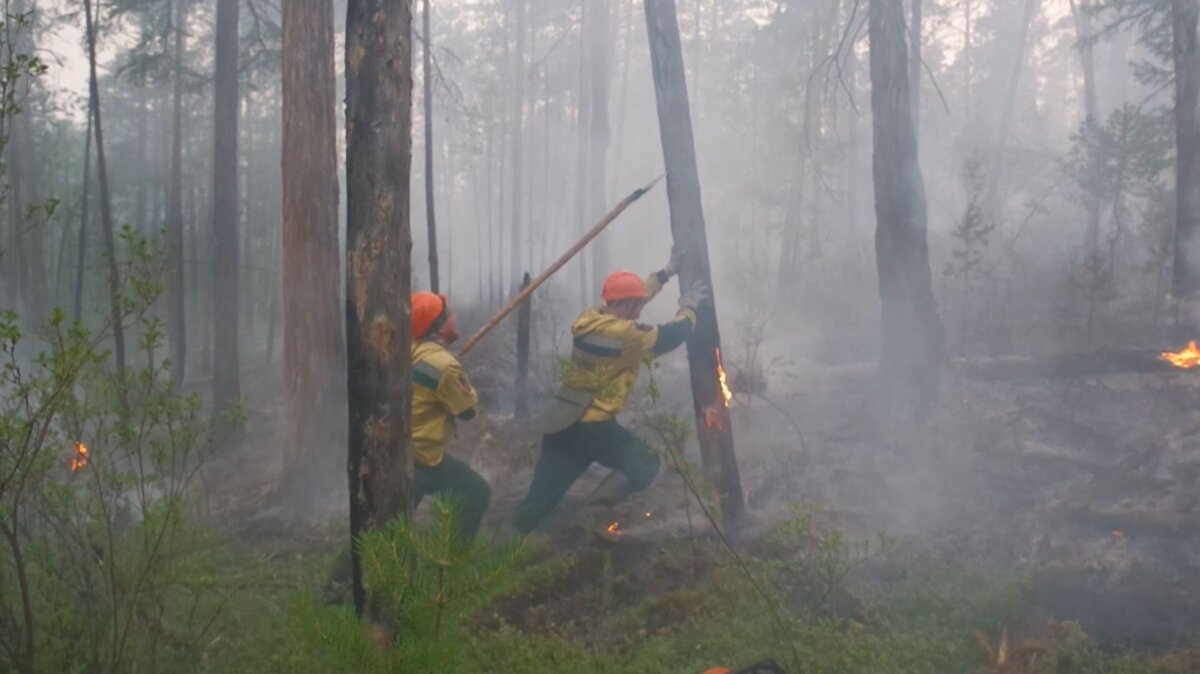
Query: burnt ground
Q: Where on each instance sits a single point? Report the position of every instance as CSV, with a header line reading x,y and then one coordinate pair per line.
x,y
1089,487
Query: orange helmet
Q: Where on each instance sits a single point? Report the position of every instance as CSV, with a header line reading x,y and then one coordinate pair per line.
x,y
623,285
428,310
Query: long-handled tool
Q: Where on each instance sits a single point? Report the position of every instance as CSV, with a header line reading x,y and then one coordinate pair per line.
x,y
558,264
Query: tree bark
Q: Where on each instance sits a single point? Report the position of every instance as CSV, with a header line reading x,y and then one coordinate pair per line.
x,y
1186,281
914,66
713,429
84,202
600,55
313,344
911,349
427,77
176,324
518,125
106,219
378,264
225,316
524,322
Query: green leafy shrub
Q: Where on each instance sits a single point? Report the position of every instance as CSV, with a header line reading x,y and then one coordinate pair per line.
x,y
105,563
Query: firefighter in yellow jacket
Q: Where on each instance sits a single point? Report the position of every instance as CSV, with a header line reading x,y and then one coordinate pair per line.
x,y
580,422
442,395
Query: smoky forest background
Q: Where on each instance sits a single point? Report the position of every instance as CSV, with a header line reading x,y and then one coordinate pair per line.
x,y
947,423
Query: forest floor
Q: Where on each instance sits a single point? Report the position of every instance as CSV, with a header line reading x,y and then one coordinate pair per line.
x,y
1020,506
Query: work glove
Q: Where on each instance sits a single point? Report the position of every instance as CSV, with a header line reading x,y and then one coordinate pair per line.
x,y
672,268
696,295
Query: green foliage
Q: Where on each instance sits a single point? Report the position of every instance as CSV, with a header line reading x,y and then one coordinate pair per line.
x,y
811,564
106,565
971,239
423,581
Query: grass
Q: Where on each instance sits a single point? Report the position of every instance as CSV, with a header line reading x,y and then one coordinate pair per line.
x,y
273,622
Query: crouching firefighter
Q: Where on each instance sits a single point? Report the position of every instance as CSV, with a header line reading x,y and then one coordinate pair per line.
x,y
441,396
579,424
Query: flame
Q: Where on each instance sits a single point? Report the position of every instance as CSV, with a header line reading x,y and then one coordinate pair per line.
x,y
1185,359
647,515
614,528
725,392
81,458
714,418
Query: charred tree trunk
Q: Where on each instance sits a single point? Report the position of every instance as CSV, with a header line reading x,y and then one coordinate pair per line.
x,y
599,134
427,77
84,202
1186,280
312,332
225,316
177,322
687,227
378,264
518,125
106,220
911,349
524,322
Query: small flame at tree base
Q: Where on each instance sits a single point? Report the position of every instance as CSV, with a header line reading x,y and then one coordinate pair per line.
x,y
1185,359
81,458
614,528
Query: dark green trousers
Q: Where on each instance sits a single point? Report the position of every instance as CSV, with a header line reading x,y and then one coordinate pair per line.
x,y
570,452
455,479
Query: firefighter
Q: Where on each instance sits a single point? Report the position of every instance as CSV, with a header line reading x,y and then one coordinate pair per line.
x,y
579,424
441,396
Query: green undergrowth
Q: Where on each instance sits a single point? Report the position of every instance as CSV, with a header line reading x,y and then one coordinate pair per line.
x,y
502,618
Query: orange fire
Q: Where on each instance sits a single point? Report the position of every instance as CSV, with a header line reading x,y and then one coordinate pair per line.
x,y
714,418
1186,359
725,392
614,528
81,458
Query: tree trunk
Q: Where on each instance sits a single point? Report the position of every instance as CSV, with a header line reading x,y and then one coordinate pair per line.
x,y
144,175
225,316
687,228
914,66
583,113
84,202
378,264
600,55
911,349
996,172
313,345
1185,279
176,324
427,76
106,220
524,321
1084,35
518,124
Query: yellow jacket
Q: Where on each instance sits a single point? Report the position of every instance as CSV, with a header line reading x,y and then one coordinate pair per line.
x,y
609,350
441,393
